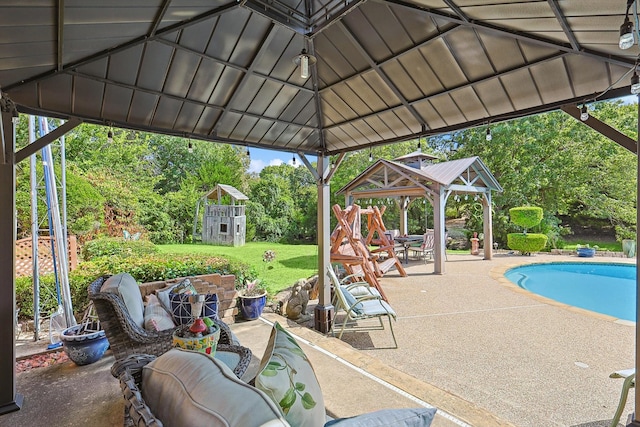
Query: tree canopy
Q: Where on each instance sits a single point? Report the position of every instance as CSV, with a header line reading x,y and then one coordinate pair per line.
x,y
151,183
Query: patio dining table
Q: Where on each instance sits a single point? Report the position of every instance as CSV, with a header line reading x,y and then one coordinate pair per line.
x,y
406,242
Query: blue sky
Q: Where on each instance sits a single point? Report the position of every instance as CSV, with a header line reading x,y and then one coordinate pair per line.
x,y
261,158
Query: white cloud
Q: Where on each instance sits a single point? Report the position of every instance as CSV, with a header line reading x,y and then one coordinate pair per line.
x,y
275,162
256,166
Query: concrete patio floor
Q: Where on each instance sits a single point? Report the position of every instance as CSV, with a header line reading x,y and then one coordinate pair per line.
x,y
483,352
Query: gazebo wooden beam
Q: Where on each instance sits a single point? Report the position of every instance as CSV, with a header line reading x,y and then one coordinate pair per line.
x,y
603,128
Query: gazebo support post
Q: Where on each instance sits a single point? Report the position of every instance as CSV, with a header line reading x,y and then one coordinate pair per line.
x,y
404,222
487,219
9,400
324,311
635,422
439,203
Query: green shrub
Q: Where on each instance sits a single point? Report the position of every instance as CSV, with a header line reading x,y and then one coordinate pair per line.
x,y
117,246
526,216
144,269
526,243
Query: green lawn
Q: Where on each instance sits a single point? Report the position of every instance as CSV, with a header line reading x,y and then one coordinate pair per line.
x,y
292,262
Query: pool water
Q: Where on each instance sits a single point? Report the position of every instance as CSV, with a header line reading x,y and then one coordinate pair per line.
x,y
604,288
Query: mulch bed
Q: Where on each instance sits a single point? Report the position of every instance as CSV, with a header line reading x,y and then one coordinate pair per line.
x,y
41,360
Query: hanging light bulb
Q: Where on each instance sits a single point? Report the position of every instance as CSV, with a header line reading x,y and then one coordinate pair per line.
x,y
248,152
370,155
293,161
584,113
110,136
488,136
635,84
466,197
626,34
190,147
419,146
304,61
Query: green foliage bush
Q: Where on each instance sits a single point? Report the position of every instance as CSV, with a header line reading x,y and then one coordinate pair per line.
x,y
526,216
148,268
526,243
117,246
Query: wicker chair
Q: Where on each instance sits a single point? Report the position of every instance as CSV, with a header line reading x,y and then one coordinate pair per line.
x,y
125,336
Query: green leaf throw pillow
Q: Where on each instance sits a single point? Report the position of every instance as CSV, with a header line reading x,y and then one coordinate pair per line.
x,y
287,377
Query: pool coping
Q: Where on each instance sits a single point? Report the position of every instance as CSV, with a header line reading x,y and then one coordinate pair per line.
x,y
498,274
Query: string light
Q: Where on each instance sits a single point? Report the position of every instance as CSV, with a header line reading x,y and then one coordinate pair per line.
x,y
370,155
248,152
190,147
293,161
626,30
110,135
584,113
488,136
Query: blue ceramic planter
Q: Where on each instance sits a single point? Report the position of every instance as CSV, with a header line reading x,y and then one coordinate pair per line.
x,y
251,307
586,252
85,348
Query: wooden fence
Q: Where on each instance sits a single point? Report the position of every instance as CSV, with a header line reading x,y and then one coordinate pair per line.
x,y
24,254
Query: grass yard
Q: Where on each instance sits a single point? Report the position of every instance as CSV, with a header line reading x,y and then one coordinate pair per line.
x,y
292,262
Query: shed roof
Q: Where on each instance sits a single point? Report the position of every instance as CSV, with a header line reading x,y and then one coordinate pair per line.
x,y
223,70
233,192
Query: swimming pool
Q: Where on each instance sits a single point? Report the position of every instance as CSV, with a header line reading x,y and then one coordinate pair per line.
x,y
604,288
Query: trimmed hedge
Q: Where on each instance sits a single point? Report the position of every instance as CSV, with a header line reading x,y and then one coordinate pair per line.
x,y
526,243
526,216
144,269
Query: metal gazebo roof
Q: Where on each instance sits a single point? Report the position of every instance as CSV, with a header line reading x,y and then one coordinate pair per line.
x,y
386,70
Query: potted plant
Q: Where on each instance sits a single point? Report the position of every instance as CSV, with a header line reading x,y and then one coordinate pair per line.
x,y
84,343
252,299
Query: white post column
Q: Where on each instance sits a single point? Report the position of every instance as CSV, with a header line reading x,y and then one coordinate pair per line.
x,y
404,217
487,219
323,313
439,202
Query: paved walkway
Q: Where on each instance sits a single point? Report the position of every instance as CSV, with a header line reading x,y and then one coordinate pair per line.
x,y
481,351
528,362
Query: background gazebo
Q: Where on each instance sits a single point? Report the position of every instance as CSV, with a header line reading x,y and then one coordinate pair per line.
x,y
416,176
222,224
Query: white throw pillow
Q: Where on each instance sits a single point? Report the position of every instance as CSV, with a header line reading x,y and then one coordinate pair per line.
x,y
156,317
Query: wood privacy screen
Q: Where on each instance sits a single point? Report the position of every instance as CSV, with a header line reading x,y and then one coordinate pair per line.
x,y
24,266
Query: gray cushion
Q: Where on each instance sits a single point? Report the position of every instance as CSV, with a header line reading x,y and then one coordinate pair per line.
x,y
186,388
126,286
418,417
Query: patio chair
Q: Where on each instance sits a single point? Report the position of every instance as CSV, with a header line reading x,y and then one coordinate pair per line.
x,y
425,250
629,376
361,304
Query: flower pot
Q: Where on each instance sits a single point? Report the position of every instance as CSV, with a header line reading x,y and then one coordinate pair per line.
x,y
586,252
83,348
204,344
251,306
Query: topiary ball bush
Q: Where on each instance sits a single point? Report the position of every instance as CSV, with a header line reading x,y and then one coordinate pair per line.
x,y
526,216
526,243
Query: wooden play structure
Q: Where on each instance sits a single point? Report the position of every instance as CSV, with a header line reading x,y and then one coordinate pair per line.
x,y
350,249
222,223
